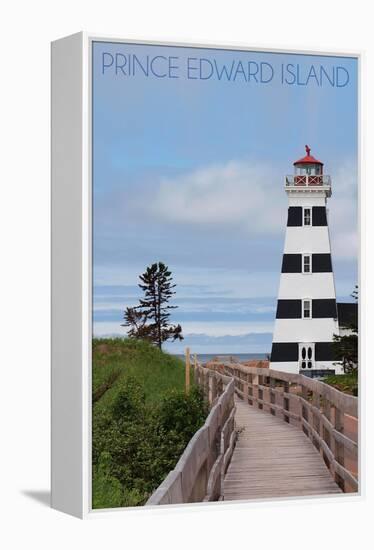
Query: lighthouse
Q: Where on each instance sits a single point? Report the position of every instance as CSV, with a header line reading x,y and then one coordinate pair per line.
x,y
306,314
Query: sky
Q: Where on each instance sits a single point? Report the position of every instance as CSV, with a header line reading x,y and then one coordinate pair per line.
x,y
189,170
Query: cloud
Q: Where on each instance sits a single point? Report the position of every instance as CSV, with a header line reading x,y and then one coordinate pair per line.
x,y
242,339
218,223
343,214
205,309
221,230
242,194
201,342
193,280
214,328
345,245
249,196
248,343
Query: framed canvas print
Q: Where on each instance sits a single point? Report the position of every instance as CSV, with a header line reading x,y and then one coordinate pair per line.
x,y
205,274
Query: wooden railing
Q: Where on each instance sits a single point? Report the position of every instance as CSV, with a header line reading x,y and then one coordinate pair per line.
x,y
198,475
327,416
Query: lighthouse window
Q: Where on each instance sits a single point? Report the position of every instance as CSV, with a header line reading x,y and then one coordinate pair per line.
x,y
307,309
307,263
307,216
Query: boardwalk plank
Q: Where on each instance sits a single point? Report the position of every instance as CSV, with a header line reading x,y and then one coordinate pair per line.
x,y
273,459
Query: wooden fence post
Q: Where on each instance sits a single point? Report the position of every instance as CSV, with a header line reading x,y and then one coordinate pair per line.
x,y
338,447
188,368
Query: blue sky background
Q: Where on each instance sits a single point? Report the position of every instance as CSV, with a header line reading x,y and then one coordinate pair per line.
x,y
191,172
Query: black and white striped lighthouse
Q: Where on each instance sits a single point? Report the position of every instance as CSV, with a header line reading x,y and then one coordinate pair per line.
x,y
306,317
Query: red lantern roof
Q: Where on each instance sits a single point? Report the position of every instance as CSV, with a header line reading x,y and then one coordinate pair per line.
x,y
308,159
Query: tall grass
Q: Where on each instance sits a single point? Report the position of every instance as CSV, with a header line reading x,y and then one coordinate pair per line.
x,y
156,371
142,419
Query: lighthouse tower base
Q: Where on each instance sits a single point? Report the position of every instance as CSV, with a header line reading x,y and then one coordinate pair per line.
x,y
323,368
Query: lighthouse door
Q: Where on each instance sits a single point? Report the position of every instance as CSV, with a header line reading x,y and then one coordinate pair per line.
x,y
306,356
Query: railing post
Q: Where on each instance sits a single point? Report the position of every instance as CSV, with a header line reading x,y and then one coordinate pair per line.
x,y
245,392
214,387
219,386
272,396
255,389
196,370
199,376
206,383
304,412
260,392
286,401
326,407
211,387
187,371
316,400
250,389
339,448
327,435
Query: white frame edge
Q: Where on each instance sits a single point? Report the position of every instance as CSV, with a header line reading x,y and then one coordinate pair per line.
x,y
71,272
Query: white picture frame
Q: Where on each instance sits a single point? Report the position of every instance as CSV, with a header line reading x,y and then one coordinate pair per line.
x,y
72,265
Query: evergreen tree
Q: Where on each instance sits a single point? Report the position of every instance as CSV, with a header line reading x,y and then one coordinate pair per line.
x,y
137,323
150,319
346,346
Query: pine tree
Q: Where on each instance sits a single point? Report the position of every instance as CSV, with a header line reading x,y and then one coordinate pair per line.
x,y
137,323
150,319
346,347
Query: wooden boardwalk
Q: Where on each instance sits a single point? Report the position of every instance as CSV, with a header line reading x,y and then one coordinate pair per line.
x,y
315,454
273,459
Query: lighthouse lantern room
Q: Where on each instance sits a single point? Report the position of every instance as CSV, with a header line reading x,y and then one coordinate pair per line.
x,y
306,315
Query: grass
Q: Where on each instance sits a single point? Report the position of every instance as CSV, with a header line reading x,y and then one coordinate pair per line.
x,y
116,359
347,383
142,419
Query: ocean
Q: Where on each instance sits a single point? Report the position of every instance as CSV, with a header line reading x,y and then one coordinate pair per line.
x,y
204,357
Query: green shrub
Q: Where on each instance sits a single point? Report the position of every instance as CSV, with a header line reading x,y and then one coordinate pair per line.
x,y
136,442
347,383
182,413
106,490
129,402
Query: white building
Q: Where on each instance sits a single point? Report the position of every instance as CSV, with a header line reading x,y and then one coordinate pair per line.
x,y
306,317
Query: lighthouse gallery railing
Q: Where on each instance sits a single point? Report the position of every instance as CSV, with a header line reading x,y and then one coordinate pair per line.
x,y
308,180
